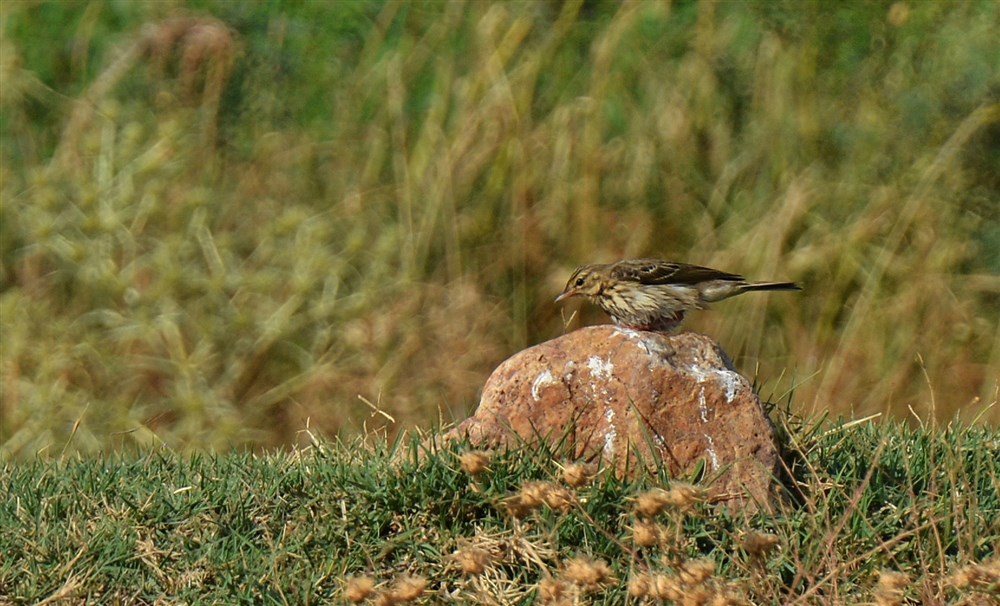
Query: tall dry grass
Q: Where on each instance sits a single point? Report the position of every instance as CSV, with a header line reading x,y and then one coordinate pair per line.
x,y
216,228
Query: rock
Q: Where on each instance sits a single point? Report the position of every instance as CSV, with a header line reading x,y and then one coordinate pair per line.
x,y
628,398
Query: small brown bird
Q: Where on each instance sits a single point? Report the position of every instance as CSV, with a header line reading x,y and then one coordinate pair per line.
x,y
650,294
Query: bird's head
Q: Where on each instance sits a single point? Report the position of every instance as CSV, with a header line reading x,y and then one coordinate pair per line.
x,y
587,281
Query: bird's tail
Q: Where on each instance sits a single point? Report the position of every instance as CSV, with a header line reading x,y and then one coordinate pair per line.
x,y
770,286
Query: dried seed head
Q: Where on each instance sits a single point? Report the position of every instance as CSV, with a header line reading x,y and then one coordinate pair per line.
x,y
698,595
719,599
961,578
472,560
889,580
725,599
358,589
408,589
552,590
649,504
759,544
516,507
646,534
639,585
696,572
559,499
577,474
728,598
532,494
665,587
474,462
586,572
984,575
890,588
684,496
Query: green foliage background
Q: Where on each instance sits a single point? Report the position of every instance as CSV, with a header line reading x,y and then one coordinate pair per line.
x,y
219,220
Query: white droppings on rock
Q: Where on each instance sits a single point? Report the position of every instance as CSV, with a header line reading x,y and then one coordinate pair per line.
x,y
654,348
631,333
726,379
611,434
712,455
541,381
702,406
659,440
600,369
730,381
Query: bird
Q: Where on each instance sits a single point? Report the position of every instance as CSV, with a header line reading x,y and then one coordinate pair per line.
x,y
654,295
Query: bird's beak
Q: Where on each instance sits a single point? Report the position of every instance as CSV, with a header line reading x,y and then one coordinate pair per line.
x,y
566,295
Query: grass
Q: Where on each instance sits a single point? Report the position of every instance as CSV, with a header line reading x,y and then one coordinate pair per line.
x,y
220,220
884,513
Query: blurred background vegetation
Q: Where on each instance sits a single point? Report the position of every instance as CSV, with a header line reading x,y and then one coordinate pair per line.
x,y
221,221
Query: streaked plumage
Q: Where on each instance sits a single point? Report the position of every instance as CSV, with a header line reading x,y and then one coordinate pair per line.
x,y
650,294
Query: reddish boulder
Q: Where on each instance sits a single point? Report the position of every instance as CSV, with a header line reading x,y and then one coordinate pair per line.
x,y
630,397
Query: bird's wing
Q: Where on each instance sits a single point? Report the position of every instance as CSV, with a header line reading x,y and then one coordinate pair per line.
x,y
655,271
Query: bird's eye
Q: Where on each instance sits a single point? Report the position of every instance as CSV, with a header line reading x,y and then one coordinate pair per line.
x,y
579,282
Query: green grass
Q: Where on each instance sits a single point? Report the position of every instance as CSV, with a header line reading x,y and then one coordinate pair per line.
x,y
217,229
295,527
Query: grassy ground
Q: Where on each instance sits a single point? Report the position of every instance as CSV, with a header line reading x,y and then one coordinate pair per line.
x,y
886,513
220,219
